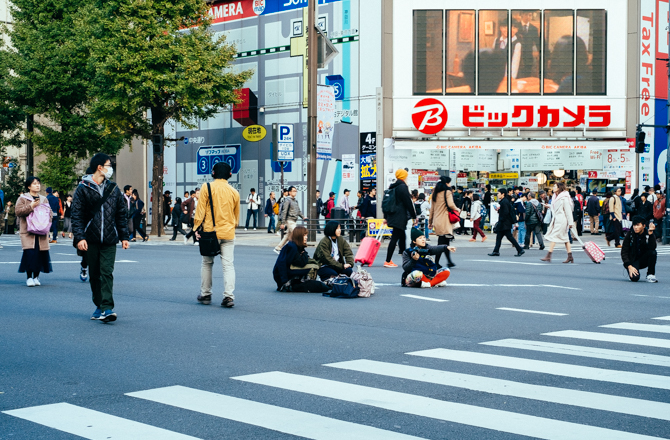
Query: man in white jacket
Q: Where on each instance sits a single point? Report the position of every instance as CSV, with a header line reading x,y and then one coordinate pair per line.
x,y
254,203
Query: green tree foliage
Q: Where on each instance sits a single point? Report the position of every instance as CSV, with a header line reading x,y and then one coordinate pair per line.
x,y
11,116
13,186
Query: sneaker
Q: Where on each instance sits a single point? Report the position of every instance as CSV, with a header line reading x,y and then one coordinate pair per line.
x,y
196,243
36,281
425,285
30,282
1,247
107,316
96,314
206,300
494,254
442,284
246,229
390,264
53,241
227,303
185,240
83,275
652,279
277,251
254,229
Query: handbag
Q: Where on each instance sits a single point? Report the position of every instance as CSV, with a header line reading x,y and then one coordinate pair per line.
x,y
209,242
453,216
343,287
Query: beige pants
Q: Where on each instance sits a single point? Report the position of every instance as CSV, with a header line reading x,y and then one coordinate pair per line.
x,y
227,257
594,223
290,226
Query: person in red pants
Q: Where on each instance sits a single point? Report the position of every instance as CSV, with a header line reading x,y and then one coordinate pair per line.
x,y
419,268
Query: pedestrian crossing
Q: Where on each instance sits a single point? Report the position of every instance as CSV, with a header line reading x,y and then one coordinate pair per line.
x,y
507,368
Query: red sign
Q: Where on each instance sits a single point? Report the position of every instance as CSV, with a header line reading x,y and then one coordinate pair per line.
x,y
631,142
593,174
429,116
525,116
233,10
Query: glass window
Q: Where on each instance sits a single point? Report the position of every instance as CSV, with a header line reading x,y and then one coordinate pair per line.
x,y
558,52
460,52
428,52
526,70
494,35
591,52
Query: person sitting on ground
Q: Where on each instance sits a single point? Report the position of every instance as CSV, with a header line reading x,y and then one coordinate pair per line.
x,y
419,269
639,250
333,253
294,271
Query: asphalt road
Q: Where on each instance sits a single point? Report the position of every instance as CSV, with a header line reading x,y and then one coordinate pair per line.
x,y
454,363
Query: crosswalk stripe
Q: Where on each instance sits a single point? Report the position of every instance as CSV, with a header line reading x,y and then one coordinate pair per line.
x,y
471,415
531,311
604,402
610,337
272,417
665,318
91,424
578,350
554,368
425,298
639,327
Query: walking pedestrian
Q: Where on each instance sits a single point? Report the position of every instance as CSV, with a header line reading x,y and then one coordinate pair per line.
x,y
52,198
465,207
330,204
10,217
188,210
270,212
333,253
639,250
534,219
615,217
167,205
67,217
289,216
35,258
520,213
319,207
506,219
99,223
224,201
344,203
138,217
477,218
442,201
593,211
487,202
561,222
177,219
253,203
402,216
128,197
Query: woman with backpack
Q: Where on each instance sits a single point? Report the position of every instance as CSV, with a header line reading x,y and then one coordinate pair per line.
x,y
442,203
35,259
399,214
477,214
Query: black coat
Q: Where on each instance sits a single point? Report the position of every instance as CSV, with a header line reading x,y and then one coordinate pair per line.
x,y
107,226
289,255
646,211
635,245
405,207
506,215
593,206
367,208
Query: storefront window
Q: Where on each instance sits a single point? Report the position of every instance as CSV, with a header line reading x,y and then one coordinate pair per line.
x,y
428,52
494,46
558,52
591,40
527,76
460,52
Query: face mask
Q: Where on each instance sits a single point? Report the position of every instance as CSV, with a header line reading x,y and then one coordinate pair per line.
x,y
109,172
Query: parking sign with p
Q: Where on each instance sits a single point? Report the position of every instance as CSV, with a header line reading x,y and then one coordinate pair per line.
x,y
282,142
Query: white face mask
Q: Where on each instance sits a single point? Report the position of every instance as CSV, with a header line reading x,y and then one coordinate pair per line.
x,y
109,172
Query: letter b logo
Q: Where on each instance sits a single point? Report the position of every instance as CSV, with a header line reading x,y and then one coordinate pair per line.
x,y
429,116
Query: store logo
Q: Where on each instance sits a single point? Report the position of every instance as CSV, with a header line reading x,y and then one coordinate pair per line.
x,y
429,116
259,6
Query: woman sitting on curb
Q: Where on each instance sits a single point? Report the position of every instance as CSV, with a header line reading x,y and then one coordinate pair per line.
x,y
333,253
294,271
419,269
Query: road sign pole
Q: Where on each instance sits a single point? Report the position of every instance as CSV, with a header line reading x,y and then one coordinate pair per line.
x,y
312,53
281,181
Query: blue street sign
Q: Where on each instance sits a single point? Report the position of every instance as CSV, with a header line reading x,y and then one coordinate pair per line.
x,y
277,168
282,142
207,157
185,141
337,81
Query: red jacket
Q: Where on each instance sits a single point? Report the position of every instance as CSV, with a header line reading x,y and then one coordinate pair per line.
x,y
330,204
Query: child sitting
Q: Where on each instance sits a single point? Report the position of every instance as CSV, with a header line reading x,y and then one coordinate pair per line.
x,y
419,269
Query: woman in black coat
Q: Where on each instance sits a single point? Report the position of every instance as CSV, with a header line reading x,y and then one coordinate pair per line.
x,y
398,220
645,208
176,219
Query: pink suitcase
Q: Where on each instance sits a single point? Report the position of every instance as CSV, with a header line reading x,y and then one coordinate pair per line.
x,y
592,250
367,251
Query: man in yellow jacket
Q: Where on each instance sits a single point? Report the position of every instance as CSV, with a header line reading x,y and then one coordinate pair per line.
x,y
226,202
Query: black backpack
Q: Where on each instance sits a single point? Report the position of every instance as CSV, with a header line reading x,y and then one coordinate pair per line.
x,y
389,202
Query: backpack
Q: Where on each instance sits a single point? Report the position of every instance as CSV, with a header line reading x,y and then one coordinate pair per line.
x,y
324,209
38,222
343,287
389,202
577,210
538,212
482,211
659,208
605,209
275,208
365,283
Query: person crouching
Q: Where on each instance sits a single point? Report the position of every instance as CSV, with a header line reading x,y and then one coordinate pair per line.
x,y
333,253
420,270
639,250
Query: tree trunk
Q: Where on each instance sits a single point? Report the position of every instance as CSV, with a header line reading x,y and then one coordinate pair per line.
x,y
158,128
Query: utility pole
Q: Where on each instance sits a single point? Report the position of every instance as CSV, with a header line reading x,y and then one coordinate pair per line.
x,y
312,53
30,120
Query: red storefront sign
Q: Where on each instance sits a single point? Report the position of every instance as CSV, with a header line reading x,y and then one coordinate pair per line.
x,y
546,116
229,11
429,116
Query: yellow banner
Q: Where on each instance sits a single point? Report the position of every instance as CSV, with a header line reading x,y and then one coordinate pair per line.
x,y
503,175
373,227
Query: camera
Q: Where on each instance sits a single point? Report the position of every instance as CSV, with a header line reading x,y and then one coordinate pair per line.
x,y
423,252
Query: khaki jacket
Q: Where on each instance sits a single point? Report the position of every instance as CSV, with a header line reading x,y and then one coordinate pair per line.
x,y
439,215
615,207
23,210
226,209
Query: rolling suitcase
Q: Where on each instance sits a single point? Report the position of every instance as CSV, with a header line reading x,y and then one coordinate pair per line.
x,y
592,250
367,251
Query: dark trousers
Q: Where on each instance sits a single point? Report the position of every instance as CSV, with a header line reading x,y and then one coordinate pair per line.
x,y
101,259
177,228
579,220
137,226
648,260
251,212
329,271
507,234
537,230
615,234
54,227
398,235
442,241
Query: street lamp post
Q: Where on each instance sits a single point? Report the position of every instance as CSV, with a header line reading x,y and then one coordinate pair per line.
x,y
312,53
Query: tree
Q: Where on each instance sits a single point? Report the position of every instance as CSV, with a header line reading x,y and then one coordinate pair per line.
x,y
161,56
11,116
13,186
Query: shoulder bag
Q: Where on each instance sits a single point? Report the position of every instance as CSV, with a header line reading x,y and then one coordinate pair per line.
x,y
209,243
453,217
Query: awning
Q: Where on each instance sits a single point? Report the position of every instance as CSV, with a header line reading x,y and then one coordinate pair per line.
x,y
504,145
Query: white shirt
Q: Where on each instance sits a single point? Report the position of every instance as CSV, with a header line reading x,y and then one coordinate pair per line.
x,y
254,201
334,251
344,203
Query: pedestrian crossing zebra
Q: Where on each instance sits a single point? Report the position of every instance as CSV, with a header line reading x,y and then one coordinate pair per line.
x,y
567,361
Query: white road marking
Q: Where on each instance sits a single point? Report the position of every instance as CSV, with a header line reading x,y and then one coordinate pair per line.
x,y
425,298
272,417
578,350
531,311
91,424
604,402
471,415
509,262
513,285
67,262
609,337
639,327
554,368
665,318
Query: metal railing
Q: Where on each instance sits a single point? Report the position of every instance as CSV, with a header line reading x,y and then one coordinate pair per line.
x,y
353,230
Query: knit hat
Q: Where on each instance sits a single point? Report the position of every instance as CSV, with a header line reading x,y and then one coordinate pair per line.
x,y
416,233
401,174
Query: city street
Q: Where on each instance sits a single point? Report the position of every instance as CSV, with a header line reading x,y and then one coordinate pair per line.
x,y
512,348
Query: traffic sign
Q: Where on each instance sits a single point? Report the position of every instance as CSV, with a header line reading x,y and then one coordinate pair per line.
x,y
283,142
276,167
337,81
207,157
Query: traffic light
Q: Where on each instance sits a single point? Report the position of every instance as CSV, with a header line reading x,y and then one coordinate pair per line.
x,y
639,141
157,141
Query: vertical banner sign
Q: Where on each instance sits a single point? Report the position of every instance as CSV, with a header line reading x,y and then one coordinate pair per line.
x,y
325,122
349,170
647,50
660,135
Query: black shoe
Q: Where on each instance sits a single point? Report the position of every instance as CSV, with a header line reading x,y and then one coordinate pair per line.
x,y
206,300
526,247
450,265
494,254
521,252
542,247
172,239
227,303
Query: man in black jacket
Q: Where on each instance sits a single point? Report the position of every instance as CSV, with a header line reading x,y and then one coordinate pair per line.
x,y
639,250
506,219
593,210
401,217
99,221
487,202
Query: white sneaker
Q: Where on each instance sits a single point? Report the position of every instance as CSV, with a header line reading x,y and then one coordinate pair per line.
x,y
245,229
185,240
425,285
254,229
442,284
30,282
37,281
652,279
197,243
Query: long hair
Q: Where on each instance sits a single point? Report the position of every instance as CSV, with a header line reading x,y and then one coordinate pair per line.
x,y
442,185
560,187
298,236
99,159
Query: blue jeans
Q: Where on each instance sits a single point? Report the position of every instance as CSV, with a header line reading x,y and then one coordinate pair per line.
x,y
251,212
522,232
271,223
54,227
